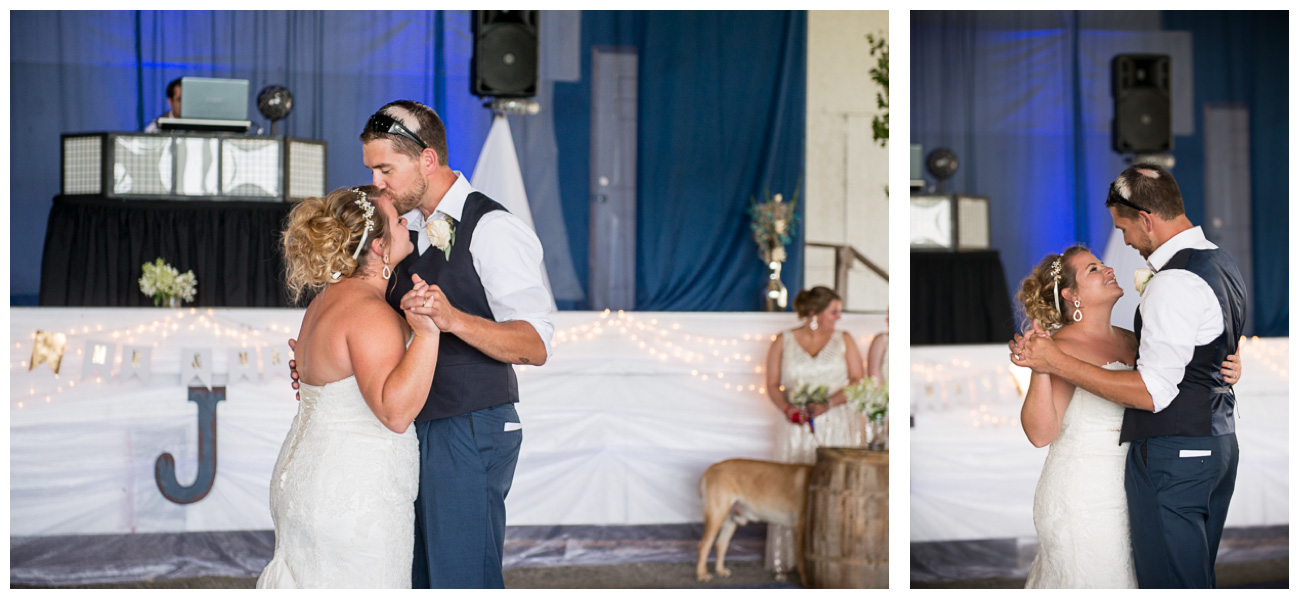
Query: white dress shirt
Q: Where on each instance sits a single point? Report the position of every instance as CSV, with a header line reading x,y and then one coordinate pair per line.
x,y
153,126
1179,313
507,258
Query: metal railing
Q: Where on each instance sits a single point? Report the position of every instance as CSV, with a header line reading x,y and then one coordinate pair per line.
x,y
844,257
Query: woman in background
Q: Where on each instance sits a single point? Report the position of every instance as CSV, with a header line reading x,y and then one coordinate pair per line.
x,y
813,354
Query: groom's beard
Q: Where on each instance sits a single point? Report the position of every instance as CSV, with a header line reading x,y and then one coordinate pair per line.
x,y
1144,246
409,200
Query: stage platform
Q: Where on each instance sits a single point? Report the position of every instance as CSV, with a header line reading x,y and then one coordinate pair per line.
x,y
973,472
618,425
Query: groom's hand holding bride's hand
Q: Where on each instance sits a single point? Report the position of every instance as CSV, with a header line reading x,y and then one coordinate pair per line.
x,y
417,314
1034,350
429,300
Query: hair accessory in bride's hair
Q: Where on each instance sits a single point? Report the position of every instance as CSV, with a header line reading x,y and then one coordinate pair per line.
x,y
1055,274
368,211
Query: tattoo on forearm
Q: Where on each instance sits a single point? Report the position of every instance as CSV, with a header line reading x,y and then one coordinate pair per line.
x,y
523,361
1127,404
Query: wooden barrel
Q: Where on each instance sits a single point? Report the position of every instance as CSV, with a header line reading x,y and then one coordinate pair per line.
x,y
847,529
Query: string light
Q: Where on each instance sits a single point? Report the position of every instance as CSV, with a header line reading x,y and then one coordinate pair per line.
x,y
658,343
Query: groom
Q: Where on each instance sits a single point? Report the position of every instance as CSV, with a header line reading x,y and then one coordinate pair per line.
x,y
484,290
1182,460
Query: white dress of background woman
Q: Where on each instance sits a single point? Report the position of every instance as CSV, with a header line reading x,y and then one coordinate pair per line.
x,y
834,361
344,485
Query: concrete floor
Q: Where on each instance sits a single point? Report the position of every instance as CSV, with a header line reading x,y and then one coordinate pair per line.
x,y
1269,573
625,576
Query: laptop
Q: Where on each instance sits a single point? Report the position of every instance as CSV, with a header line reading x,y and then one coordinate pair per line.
x,y
209,98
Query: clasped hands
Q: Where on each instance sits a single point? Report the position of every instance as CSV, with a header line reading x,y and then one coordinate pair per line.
x,y
425,299
1034,349
799,415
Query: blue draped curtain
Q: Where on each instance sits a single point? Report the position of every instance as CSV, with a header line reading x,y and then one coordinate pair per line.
x,y
1023,98
721,117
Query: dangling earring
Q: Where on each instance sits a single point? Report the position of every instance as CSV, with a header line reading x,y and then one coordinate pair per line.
x,y
813,323
389,272
1078,314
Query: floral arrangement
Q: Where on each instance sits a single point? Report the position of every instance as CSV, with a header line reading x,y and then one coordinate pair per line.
x,y
807,395
869,398
773,222
165,283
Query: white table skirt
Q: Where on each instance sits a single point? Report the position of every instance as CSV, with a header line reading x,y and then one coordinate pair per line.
x,y
614,433
974,472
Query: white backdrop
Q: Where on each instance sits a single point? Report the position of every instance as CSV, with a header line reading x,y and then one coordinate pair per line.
x,y
974,472
618,426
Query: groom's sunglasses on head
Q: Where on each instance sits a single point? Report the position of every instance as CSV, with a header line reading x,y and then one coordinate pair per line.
x,y
385,124
1118,199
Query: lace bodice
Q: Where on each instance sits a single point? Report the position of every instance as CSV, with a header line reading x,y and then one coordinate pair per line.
x,y
827,368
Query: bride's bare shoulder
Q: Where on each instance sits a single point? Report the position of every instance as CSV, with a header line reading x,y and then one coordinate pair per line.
x,y
1067,337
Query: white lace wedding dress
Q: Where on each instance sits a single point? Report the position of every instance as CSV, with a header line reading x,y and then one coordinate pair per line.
x,y
342,496
839,426
1080,508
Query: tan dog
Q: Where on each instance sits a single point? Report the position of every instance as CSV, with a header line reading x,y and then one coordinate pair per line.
x,y
738,491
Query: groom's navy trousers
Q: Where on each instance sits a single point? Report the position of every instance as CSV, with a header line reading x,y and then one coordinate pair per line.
x,y
466,465
1177,502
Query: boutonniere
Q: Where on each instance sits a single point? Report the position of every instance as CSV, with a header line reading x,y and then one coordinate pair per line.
x,y
441,234
1140,279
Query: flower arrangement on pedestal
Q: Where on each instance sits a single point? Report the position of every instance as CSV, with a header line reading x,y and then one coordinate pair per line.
x,y
166,284
773,223
871,399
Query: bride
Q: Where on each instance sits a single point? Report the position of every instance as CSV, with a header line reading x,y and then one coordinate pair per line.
x,y
1080,508
344,486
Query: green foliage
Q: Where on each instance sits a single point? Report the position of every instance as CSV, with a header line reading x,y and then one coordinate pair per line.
x,y
880,74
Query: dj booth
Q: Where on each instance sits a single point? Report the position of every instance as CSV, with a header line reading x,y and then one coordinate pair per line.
x,y
213,203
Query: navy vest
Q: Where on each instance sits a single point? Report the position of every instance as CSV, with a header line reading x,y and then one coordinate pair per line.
x,y
1204,404
466,379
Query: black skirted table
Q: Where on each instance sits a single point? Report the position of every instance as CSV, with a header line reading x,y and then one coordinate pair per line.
x,y
959,298
94,249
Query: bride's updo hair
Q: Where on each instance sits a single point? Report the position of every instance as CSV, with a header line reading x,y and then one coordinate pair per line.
x,y
322,235
1035,293
813,300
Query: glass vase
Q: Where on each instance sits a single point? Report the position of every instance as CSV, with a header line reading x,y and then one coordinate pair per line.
x,y
877,433
173,302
